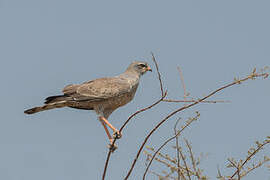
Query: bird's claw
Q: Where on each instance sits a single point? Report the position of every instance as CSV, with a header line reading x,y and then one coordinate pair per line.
x,y
117,134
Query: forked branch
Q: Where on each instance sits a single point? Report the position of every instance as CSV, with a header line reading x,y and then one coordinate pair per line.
x,y
253,75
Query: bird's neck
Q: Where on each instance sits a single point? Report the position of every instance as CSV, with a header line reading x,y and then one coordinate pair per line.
x,y
133,78
132,74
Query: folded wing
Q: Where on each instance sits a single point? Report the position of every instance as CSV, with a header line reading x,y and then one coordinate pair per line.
x,y
98,90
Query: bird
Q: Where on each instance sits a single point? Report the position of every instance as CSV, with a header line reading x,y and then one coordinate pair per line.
x,y
103,95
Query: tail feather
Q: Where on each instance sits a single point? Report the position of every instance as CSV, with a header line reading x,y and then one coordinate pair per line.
x,y
45,107
32,110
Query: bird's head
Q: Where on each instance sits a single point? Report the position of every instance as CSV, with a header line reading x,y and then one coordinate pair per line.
x,y
139,67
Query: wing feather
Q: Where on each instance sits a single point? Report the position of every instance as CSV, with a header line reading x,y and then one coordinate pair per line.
x,y
101,89
70,89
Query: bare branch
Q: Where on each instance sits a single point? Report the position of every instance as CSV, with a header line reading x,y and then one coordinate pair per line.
x,y
179,173
184,101
251,76
193,161
162,177
172,167
251,153
185,163
235,165
259,164
219,176
182,82
159,75
170,139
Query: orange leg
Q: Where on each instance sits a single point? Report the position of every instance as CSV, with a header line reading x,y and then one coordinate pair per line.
x,y
115,131
107,122
107,131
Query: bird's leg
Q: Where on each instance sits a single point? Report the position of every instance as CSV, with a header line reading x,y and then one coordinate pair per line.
x,y
116,133
107,131
111,146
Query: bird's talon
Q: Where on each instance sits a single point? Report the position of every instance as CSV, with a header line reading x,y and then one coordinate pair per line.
x,y
117,135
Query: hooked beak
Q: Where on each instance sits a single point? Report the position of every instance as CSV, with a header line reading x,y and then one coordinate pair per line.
x,y
148,68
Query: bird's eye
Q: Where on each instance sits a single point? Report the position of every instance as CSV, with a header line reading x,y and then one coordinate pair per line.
x,y
142,65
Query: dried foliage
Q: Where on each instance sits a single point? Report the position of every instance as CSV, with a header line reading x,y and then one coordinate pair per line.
x,y
243,166
185,165
176,134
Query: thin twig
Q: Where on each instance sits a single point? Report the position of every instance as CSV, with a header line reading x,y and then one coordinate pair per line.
x,y
249,157
163,95
179,173
266,159
171,167
184,101
252,76
182,82
166,142
185,163
219,176
142,110
192,159
159,75
162,177
237,166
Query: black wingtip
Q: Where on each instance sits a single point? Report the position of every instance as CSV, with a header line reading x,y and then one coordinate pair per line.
x,y
52,99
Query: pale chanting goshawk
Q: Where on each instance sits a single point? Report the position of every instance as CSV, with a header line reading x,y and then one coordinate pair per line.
x,y
102,95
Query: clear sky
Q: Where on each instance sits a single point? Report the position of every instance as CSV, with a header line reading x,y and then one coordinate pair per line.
x,y
45,45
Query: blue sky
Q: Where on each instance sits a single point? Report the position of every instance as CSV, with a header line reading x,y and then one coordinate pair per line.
x,y
46,45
